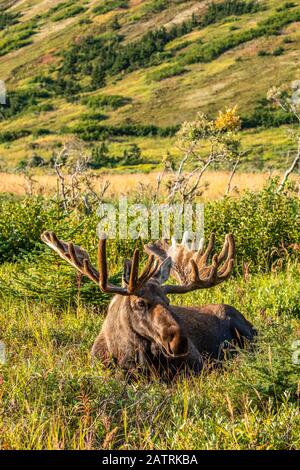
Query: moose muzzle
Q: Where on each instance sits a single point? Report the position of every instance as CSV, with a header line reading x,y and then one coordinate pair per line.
x,y
172,339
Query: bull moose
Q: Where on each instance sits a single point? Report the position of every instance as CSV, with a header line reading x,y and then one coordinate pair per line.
x,y
142,329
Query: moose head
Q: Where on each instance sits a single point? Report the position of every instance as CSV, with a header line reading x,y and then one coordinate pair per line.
x,y
140,318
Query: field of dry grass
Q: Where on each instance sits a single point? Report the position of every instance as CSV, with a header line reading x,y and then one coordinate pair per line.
x,y
125,183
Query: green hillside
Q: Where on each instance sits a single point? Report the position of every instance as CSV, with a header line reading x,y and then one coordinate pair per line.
x,y
129,72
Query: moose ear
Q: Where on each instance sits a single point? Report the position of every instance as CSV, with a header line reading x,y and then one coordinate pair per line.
x,y
159,249
163,272
126,272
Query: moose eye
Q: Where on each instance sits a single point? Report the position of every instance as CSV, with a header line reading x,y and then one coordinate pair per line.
x,y
141,304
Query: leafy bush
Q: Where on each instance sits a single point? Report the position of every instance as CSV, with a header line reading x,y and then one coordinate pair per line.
x,y
10,136
7,19
22,100
286,6
100,156
93,117
69,12
155,6
262,223
262,53
18,37
266,116
166,72
106,101
278,51
132,155
91,131
42,131
217,11
213,49
21,224
110,5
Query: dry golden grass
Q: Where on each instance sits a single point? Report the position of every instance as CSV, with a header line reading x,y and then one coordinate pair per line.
x,y
126,183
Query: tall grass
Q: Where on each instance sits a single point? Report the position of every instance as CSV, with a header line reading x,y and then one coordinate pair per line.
x,y
52,398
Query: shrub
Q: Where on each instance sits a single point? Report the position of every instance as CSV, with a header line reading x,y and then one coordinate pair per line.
x,y
262,223
22,100
93,117
155,6
18,37
42,131
10,136
132,155
91,131
286,6
212,50
167,71
262,53
106,101
21,224
62,86
98,77
7,19
110,5
278,51
100,156
266,116
217,11
69,12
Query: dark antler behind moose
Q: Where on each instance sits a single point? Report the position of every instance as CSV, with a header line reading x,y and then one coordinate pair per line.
x,y
141,328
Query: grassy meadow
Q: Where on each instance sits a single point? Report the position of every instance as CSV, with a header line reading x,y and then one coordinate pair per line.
x,y
52,397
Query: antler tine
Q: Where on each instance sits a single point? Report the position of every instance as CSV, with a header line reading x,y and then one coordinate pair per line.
x,y
88,271
79,259
227,271
53,238
71,253
156,265
204,257
102,263
134,272
147,272
224,252
73,256
201,275
213,274
230,255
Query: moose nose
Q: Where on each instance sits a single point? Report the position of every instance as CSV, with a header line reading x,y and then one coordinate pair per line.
x,y
178,344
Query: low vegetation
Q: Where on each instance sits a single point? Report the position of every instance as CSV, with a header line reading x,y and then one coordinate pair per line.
x,y
48,331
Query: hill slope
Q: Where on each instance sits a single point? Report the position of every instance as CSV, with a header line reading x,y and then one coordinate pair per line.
x,y
134,70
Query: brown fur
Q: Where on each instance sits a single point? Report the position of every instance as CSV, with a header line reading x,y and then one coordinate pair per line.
x,y
142,329
167,338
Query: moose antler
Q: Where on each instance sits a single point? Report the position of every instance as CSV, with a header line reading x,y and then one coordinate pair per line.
x,y
190,267
79,259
